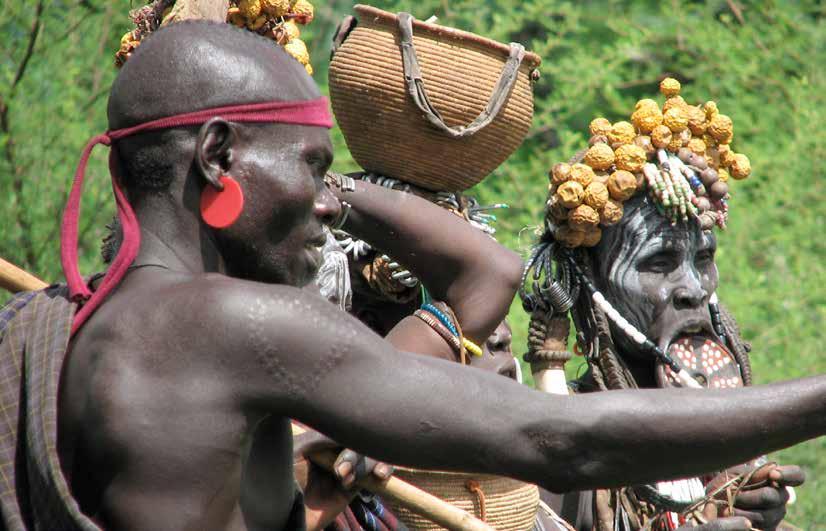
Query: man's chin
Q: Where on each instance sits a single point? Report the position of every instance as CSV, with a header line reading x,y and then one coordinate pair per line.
x,y
263,275
302,275
298,274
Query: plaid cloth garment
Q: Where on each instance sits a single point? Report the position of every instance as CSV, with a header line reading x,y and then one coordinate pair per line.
x,y
34,335
366,513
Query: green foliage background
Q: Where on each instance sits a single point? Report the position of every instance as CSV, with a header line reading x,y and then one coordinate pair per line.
x,y
761,61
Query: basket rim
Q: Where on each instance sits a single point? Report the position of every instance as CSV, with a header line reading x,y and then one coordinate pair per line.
x,y
531,59
458,475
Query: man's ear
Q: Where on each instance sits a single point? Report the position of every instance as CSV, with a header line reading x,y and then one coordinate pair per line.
x,y
214,149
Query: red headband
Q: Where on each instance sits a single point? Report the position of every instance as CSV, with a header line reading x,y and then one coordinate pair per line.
x,y
305,112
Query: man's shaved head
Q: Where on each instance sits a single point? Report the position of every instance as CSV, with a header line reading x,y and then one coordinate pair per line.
x,y
279,167
196,65
189,66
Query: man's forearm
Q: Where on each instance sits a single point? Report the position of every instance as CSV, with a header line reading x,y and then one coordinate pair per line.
x,y
632,437
578,442
312,362
456,262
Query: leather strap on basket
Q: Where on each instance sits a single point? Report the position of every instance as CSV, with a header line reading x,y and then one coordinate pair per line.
x,y
415,84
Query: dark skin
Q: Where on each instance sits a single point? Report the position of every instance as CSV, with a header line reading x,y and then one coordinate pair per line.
x,y
176,394
661,276
482,274
476,276
447,254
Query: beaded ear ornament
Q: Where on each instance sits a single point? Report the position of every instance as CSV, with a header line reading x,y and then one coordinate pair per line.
x,y
275,19
679,153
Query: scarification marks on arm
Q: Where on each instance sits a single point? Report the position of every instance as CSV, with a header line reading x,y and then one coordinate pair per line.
x,y
270,356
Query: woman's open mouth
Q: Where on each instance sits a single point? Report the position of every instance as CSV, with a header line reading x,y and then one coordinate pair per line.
x,y
696,348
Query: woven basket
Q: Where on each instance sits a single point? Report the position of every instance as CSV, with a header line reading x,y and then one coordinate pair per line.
x,y
387,133
510,505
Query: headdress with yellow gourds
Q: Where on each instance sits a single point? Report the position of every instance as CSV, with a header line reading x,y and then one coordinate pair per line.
x,y
679,153
278,20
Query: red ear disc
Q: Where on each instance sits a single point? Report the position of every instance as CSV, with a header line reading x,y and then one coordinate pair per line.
x,y
220,208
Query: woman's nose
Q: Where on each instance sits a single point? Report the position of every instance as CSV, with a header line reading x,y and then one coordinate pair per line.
x,y
689,296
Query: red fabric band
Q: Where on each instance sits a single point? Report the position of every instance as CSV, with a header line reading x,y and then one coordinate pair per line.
x,y
304,112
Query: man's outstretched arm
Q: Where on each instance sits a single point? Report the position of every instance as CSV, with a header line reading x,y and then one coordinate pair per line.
x,y
302,358
458,263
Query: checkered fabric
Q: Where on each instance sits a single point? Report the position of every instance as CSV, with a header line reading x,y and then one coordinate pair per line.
x,y
34,335
366,513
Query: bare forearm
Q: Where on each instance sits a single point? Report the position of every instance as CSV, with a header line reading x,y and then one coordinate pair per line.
x,y
311,362
457,263
631,437
431,416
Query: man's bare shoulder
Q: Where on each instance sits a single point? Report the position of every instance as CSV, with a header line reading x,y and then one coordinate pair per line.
x,y
169,300
244,337
215,315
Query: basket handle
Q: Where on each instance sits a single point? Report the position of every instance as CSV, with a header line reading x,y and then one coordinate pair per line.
x,y
416,89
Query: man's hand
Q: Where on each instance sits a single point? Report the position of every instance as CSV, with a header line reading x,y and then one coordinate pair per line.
x,y
327,494
351,467
763,499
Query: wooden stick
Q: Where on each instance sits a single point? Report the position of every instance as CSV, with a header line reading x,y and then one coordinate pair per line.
x,y
422,503
14,279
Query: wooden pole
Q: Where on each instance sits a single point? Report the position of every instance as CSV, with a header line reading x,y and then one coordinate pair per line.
x,y
422,503
14,279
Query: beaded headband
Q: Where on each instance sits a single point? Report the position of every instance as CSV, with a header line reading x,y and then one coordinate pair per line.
x,y
277,20
680,154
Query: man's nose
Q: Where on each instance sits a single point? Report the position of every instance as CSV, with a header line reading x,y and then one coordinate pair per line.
x,y
690,294
327,207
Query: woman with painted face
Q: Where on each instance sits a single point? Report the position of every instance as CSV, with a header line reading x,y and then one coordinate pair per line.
x,y
629,253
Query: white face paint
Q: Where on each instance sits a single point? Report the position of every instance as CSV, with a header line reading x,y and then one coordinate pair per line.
x,y
657,275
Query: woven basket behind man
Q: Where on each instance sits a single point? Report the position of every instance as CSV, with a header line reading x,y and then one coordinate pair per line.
x,y
389,135
509,505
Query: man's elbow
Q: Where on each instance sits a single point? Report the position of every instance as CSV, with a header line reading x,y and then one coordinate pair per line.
x,y
579,474
502,272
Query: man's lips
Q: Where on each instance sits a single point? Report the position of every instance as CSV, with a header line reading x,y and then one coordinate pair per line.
x,y
317,241
313,248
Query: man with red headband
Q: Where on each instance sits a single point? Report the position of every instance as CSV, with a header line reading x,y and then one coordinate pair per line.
x,y
175,394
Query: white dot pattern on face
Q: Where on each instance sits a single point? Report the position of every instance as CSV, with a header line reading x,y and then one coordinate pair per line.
x,y
716,361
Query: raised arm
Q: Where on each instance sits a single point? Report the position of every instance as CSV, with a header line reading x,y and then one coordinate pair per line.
x,y
457,263
304,359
